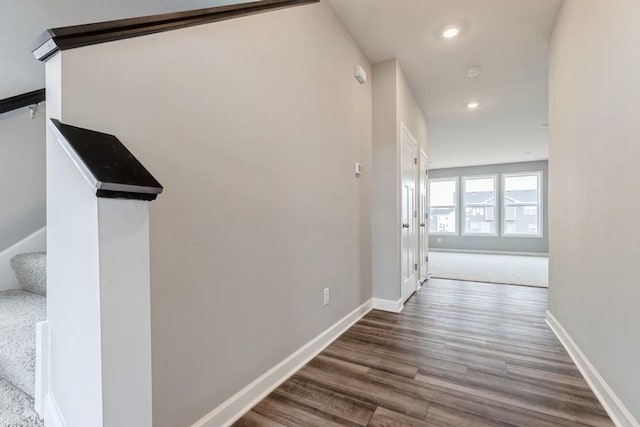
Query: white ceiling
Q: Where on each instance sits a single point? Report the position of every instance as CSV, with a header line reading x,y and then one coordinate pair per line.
x,y
508,39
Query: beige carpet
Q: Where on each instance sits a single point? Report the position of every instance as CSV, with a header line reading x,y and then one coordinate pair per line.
x,y
507,269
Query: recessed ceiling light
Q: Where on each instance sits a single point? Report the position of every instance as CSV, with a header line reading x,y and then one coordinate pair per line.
x,y
450,31
473,105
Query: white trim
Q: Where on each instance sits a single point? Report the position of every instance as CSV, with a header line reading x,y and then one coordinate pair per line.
x,y
52,414
619,414
412,241
488,252
36,242
523,236
423,217
444,233
388,305
42,366
237,405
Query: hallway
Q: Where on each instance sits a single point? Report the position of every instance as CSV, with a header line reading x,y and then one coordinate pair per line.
x,y
458,354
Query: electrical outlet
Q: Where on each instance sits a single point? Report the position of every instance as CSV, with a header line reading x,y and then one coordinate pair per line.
x,y
327,296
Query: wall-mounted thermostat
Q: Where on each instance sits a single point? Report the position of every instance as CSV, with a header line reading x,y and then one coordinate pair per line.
x,y
360,74
358,169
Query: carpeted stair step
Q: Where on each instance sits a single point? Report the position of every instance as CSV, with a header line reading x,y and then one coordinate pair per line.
x,y
19,312
16,408
31,271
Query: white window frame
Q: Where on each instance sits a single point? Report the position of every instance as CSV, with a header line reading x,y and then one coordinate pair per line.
x,y
456,206
463,207
503,208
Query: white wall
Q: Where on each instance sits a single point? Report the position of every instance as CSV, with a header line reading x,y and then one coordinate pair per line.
x,y
393,104
21,22
22,141
253,127
386,182
594,176
409,111
22,175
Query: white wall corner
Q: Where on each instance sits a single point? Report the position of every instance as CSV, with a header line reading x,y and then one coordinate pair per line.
x,y
42,366
618,413
388,305
36,242
240,403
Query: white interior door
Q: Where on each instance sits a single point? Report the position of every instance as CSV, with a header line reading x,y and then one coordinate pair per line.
x,y
424,217
409,214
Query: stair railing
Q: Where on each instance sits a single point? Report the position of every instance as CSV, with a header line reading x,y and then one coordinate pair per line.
x,y
28,99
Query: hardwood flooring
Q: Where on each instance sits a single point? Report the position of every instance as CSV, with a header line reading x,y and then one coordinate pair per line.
x,y
459,354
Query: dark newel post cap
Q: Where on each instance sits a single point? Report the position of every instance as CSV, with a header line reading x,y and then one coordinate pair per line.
x,y
107,164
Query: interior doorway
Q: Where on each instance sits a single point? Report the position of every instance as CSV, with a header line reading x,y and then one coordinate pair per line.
x,y
489,223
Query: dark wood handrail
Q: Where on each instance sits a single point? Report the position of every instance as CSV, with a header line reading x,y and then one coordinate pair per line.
x,y
53,40
23,100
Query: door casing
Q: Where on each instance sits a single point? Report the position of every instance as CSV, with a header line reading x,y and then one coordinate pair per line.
x,y
408,213
423,215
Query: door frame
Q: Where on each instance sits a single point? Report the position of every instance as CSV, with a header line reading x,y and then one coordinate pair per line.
x,y
423,180
416,171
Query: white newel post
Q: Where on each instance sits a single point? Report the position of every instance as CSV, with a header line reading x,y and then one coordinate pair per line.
x,y
94,350
125,313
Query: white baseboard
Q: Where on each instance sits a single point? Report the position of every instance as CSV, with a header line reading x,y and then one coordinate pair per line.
x,y
478,251
52,415
36,242
236,406
42,366
618,413
388,305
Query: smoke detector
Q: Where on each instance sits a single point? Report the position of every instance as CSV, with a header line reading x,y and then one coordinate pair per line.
x,y
473,71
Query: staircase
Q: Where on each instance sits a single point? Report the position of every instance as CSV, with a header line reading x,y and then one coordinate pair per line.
x,y
20,310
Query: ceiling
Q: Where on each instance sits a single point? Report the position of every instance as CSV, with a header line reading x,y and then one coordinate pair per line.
x,y
507,39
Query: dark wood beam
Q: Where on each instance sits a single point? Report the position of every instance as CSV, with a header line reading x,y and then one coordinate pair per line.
x,y
53,40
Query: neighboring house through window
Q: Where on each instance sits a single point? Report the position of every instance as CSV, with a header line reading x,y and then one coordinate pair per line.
x,y
443,206
479,205
522,204
520,198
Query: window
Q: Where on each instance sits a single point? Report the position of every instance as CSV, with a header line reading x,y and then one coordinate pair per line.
x,y
443,206
522,204
479,205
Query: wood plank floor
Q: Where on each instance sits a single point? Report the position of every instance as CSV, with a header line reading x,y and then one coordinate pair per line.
x,y
459,354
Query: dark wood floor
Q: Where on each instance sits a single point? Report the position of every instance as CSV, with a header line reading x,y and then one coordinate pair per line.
x,y
459,354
